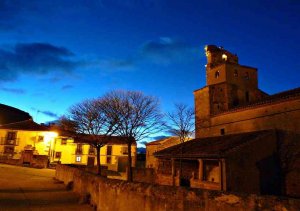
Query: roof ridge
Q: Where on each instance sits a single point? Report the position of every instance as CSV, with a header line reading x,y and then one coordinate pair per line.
x,y
12,123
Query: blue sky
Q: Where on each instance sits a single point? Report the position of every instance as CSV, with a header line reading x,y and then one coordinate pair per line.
x,y
56,53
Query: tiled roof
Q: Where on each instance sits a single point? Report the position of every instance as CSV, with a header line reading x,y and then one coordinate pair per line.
x,y
29,125
167,139
10,114
212,147
106,139
85,138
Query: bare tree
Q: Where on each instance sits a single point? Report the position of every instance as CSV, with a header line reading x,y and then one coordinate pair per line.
x,y
182,125
138,117
181,122
90,124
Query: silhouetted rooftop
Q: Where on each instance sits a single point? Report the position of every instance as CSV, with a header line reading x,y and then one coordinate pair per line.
x,y
10,114
28,125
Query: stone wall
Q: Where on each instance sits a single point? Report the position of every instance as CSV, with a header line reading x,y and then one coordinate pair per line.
x,y
37,161
107,194
146,175
282,115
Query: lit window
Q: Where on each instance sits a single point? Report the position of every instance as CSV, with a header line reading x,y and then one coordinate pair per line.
x,y
217,74
224,57
247,76
78,158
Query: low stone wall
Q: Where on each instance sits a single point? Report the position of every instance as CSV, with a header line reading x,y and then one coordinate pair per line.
x,y
10,161
38,161
146,175
109,194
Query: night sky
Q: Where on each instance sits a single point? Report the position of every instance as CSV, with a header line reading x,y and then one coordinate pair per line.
x,y
56,53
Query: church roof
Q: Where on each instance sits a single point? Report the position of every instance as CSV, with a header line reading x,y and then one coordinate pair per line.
x,y
212,147
28,125
10,114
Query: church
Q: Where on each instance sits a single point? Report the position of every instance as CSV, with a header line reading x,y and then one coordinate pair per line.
x,y
231,101
245,140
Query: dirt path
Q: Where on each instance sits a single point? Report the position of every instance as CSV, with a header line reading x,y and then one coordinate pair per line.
x,y
24,188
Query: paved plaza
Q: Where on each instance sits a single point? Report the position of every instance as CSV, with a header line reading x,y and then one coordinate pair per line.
x,y
23,188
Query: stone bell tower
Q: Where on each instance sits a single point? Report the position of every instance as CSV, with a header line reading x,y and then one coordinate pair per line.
x,y
228,85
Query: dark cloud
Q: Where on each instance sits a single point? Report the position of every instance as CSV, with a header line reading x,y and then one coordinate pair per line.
x,y
65,87
47,113
167,50
34,58
50,114
12,90
163,51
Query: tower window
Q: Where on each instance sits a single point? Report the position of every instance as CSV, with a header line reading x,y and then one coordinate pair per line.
x,y
247,76
217,74
222,131
247,97
236,73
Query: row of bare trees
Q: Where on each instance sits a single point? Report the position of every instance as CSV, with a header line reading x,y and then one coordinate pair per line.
x,y
128,114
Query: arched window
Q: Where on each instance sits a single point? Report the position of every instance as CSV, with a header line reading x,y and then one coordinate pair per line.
x,y
247,76
217,74
235,73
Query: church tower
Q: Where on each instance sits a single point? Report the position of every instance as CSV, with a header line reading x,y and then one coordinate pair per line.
x,y
228,85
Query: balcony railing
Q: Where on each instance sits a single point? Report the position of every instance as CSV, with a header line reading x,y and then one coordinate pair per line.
x,y
6,141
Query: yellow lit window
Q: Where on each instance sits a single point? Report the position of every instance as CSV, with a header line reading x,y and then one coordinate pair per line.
x,y
78,158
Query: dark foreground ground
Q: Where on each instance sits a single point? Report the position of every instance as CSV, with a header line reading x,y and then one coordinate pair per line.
x,y
23,188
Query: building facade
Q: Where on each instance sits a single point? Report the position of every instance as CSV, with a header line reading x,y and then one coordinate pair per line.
x,y
27,142
231,101
246,140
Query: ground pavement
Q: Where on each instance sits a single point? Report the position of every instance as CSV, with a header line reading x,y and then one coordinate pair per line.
x,y
23,188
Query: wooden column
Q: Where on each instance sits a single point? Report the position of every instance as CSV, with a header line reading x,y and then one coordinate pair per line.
x,y
223,175
173,170
200,169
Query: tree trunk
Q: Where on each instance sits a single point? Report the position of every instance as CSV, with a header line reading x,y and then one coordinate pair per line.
x,y
129,169
98,160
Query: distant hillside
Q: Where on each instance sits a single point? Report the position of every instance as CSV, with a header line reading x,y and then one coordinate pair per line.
x,y
141,150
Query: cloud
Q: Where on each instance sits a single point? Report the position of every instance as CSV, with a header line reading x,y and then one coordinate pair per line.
x,y
168,50
45,112
50,114
34,58
164,51
12,90
65,87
